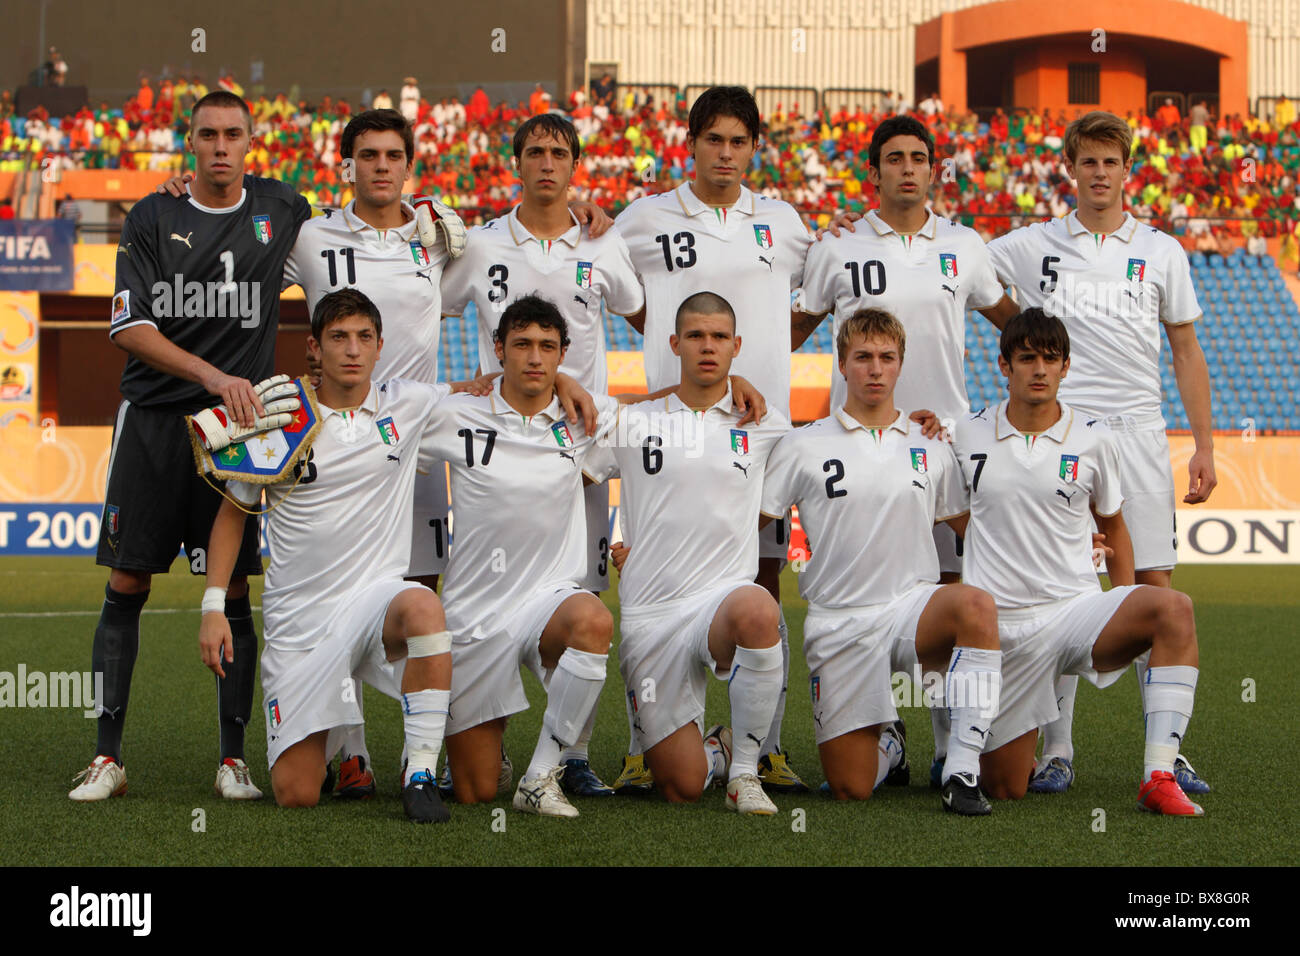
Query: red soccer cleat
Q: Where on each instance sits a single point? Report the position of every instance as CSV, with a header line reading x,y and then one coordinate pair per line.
x,y
356,782
1161,794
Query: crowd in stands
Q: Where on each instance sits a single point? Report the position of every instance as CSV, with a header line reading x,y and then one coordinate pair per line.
x,y
1187,169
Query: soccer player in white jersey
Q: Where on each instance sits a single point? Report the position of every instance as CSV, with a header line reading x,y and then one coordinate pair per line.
x,y
1114,282
713,234
540,248
336,605
1037,469
687,595
869,488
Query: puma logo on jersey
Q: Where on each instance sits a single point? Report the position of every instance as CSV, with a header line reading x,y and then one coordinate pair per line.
x,y
919,485
580,300
1090,422
766,260
185,238
1065,496
393,458
565,454
426,274
743,468
980,414
952,291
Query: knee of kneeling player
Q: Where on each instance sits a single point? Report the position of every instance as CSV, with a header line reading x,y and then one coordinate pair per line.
x,y
593,632
850,790
1005,790
296,794
680,791
979,618
1177,618
758,624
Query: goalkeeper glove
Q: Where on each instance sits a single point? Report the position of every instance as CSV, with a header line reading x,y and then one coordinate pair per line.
x,y
432,217
279,398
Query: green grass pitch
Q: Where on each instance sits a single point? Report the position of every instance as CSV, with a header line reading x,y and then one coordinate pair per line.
x,y
1246,622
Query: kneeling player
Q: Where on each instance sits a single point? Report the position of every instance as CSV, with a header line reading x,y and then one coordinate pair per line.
x,y
692,478
336,605
1036,469
865,479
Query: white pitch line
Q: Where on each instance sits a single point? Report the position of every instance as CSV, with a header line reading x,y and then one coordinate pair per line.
x,y
163,610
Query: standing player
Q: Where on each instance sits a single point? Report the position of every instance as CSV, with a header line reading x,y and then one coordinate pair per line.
x,y
336,606
864,479
714,234
1113,282
540,248
512,591
687,594
1037,470
229,237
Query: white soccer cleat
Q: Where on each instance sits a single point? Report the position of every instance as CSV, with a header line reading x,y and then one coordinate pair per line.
x,y
543,796
234,781
104,778
745,795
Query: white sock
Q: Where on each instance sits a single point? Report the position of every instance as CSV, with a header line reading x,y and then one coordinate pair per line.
x,y
972,688
571,695
942,729
772,742
889,756
754,688
354,737
424,718
579,750
1168,699
1057,736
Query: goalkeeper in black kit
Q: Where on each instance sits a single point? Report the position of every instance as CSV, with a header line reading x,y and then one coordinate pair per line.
x,y
196,307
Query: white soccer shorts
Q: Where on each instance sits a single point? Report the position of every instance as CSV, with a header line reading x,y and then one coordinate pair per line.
x,y
1041,643
429,539
596,499
849,653
945,542
306,691
774,539
663,655
1148,487
485,679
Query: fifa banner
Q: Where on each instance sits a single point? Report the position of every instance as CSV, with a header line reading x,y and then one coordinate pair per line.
x,y
266,458
36,255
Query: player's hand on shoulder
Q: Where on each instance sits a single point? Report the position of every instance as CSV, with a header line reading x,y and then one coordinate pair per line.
x,y
176,185
618,554
215,642
931,426
577,402
593,217
748,399
844,220
480,385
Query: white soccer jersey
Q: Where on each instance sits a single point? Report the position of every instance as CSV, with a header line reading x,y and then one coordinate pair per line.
x,y
751,253
519,522
690,494
503,262
1112,292
1029,540
928,282
868,500
336,250
345,514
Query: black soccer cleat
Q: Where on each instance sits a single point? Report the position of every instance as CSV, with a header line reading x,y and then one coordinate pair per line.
x,y
961,794
327,785
421,801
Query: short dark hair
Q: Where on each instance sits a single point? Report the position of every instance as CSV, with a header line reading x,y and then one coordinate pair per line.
x,y
529,310
734,101
368,120
341,304
1035,330
220,98
704,303
558,126
898,126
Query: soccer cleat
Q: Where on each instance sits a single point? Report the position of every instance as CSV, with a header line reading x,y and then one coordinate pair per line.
x,y
421,801
104,778
234,781
777,775
506,776
635,778
1161,794
543,796
356,782
580,780
720,737
936,773
961,794
327,785
1187,778
1055,777
901,775
745,795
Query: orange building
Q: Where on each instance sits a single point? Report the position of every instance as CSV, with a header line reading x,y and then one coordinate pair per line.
x,y
1117,55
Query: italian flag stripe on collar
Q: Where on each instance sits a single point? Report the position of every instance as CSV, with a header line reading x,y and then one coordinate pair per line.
x,y
877,434
546,245
721,213
1029,441
907,241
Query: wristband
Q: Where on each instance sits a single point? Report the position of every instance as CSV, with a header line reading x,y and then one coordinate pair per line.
x,y
214,599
